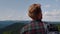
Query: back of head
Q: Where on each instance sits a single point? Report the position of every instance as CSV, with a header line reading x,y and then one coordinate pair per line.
x,y
34,10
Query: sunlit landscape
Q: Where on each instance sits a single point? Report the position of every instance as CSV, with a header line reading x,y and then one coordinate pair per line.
x,y
14,15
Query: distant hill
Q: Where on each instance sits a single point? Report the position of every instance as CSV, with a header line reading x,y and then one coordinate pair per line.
x,y
14,27
3,24
6,23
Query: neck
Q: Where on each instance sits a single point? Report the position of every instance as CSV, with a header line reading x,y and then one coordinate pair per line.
x,y
38,20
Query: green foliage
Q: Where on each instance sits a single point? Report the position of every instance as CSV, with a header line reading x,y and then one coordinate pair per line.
x,y
7,32
13,29
58,25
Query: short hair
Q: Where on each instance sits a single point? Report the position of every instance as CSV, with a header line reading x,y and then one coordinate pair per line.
x,y
34,10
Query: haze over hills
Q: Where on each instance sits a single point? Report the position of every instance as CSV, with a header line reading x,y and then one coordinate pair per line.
x,y
9,22
6,23
14,27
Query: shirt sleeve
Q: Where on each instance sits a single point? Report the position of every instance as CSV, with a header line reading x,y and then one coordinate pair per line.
x,y
24,31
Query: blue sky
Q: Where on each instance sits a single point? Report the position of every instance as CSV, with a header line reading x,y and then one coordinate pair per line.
x,y
18,9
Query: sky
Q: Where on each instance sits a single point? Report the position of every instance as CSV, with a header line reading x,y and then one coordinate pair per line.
x,y
18,9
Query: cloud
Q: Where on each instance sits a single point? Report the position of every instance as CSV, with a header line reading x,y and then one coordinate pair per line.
x,y
56,0
53,15
47,6
11,14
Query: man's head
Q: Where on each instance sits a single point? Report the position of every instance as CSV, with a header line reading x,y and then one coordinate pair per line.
x,y
35,12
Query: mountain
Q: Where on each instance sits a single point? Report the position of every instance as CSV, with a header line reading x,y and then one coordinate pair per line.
x,y
3,24
14,27
6,23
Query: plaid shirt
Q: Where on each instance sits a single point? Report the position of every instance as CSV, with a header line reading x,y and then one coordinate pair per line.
x,y
35,27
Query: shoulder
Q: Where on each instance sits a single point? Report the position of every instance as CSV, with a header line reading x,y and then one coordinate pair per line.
x,y
31,26
28,27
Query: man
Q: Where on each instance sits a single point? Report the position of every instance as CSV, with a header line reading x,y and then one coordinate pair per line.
x,y
36,26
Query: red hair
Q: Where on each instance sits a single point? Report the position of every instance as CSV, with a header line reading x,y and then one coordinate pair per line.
x,y
34,10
